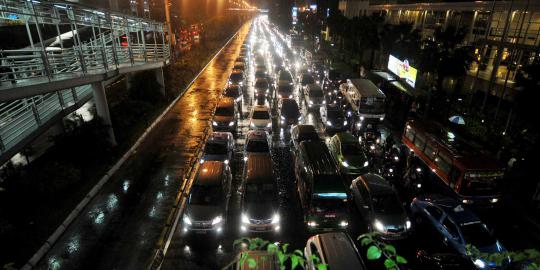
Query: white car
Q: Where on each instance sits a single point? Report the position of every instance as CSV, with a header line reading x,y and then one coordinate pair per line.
x,y
260,118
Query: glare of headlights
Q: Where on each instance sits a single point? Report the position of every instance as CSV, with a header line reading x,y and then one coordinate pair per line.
x,y
494,200
343,223
201,161
269,125
366,163
382,118
231,124
361,118
245,219
391,170
282,117
329,123
372,147
226,161
345,123
275,218
418,169
345,164
408,224
396,158
378,226
481,264
290,96
214,123
245,158
187,220
312,223
217,220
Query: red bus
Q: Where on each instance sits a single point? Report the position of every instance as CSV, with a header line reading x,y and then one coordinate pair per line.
x,y
471,175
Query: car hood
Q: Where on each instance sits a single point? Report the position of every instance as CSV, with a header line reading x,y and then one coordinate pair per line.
x,y
394,221
260,122
219,118
215,157
203,212
355,162
259,211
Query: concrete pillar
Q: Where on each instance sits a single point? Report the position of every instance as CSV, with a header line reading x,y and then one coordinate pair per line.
x,y
160,79
102,108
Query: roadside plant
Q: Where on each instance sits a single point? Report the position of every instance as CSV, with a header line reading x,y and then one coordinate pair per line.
x,y
379,250
286,260
528,259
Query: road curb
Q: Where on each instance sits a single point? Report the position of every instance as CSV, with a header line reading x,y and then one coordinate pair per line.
x,y
53,238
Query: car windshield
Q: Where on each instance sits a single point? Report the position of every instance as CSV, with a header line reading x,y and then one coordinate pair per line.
x,y
351,149
236,76
290,109
334,75
334,114
316,93
231,92
225,111
307,79
206,195
260,115
260,193
307,136
216,148
387,204
285,76
261,84
285,88
257,146
477,234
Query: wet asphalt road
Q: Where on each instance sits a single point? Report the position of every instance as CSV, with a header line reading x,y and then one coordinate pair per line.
x,y
121,225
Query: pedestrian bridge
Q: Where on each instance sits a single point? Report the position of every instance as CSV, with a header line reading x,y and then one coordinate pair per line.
x,y
59,72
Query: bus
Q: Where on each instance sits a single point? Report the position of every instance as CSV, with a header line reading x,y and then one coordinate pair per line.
x,y
471,176
366,101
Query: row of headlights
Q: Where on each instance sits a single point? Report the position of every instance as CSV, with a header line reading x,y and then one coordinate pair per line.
x,y
379,226
313,224
346,164
215,221
329,123
280,96
214,123
275,219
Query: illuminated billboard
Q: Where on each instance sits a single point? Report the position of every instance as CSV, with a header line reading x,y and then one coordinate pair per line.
x,y
402,69
294,15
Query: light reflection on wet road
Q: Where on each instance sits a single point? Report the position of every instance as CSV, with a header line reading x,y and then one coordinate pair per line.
x,y
121,225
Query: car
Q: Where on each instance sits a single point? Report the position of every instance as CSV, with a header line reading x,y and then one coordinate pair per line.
x,y
314,96
444,261
284,89
237,92
348,153
208,201
237,77
289,113
225,116
333,118
259,195
378,203
456,226
257,141
300,133
262,90
334,249
260,118
260,61
219,147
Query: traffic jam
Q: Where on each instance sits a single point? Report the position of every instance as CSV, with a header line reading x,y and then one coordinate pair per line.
x,y
302,154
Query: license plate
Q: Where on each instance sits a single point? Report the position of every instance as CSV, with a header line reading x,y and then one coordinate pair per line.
x,y
259,228
200,232
330,216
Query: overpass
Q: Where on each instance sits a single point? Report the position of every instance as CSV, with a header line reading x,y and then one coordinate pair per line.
x,y
45,81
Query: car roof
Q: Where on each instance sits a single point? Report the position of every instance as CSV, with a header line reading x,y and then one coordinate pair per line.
x,y
346,138
452,207
305,129
257,134
260,108
376,184
288,103
259,169
366,87
210,173
318,156
339,251
219,136
226,102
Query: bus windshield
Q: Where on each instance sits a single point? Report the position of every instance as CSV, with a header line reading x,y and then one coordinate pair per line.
x,y
371,105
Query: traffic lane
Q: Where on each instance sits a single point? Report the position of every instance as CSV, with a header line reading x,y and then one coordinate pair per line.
x,y
121,225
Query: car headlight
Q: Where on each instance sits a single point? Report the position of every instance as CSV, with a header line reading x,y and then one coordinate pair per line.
x,y
275,218
241,83
366,163
396,158
317,82
214,123
245,219
187,220
269,125
378,226
408,224
344,223
217,220
479,263
378,141
231,124
201,161
494,200
252,125
282,117
382,118
361,118
300,118
226,161
324,102
238,99
372,147
290,96
465,201
312,223
311,102
345,164
345,123
279,96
